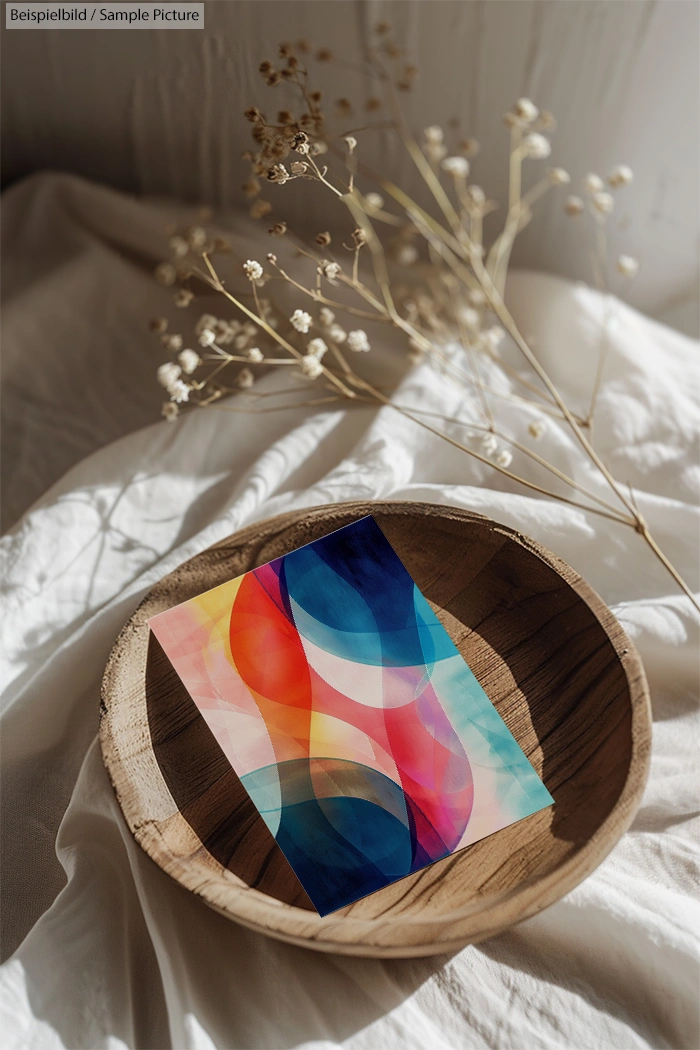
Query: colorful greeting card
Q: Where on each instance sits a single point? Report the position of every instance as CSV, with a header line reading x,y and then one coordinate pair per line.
x,y
359,732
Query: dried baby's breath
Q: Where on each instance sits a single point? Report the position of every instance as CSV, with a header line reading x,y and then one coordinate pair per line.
x,y
337,333
489,444
178,247
526,110
593,183
189,361
196,237
253,270
173,342
317,348
301,321
536,146
170,411
406,254
627,265
559,177
456,166
621,175
358,341
311,367
603,202
574,206
168,374
166,273
451,275
329,270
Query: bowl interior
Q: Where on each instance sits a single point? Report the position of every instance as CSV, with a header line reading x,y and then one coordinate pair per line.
x,y
541,653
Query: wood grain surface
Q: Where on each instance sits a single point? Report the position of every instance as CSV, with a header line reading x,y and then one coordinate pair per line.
x,y
549,654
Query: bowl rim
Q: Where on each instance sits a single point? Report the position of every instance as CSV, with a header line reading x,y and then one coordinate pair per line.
x,y
258,911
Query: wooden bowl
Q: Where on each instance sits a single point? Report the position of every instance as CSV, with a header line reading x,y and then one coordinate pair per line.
x,y
550,655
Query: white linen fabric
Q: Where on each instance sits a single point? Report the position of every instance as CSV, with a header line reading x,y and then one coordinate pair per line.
x,y
108,951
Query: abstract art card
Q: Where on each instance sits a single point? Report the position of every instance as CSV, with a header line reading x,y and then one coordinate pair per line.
x,y
357,729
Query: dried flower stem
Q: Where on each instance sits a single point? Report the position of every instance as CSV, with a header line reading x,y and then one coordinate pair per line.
x,y
602,280
215,282
461,272
497,303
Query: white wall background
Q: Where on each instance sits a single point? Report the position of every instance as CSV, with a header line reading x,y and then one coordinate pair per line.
x,y
159,112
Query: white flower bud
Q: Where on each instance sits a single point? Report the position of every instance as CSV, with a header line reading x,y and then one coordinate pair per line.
x,y
488,444
301,321
337,333
166,273
406,255
189,360
573,206
173,343
603,203
197,237
168,374
434,134
170,411
536,146
205,321
178,246
593,183
494,337
311,366
317,348
179,391
627,266
526,110
621,175
469,317
456,166
253,270
358,341
329,270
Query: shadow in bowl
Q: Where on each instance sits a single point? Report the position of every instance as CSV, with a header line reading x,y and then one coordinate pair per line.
x,y
545,661
206,790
